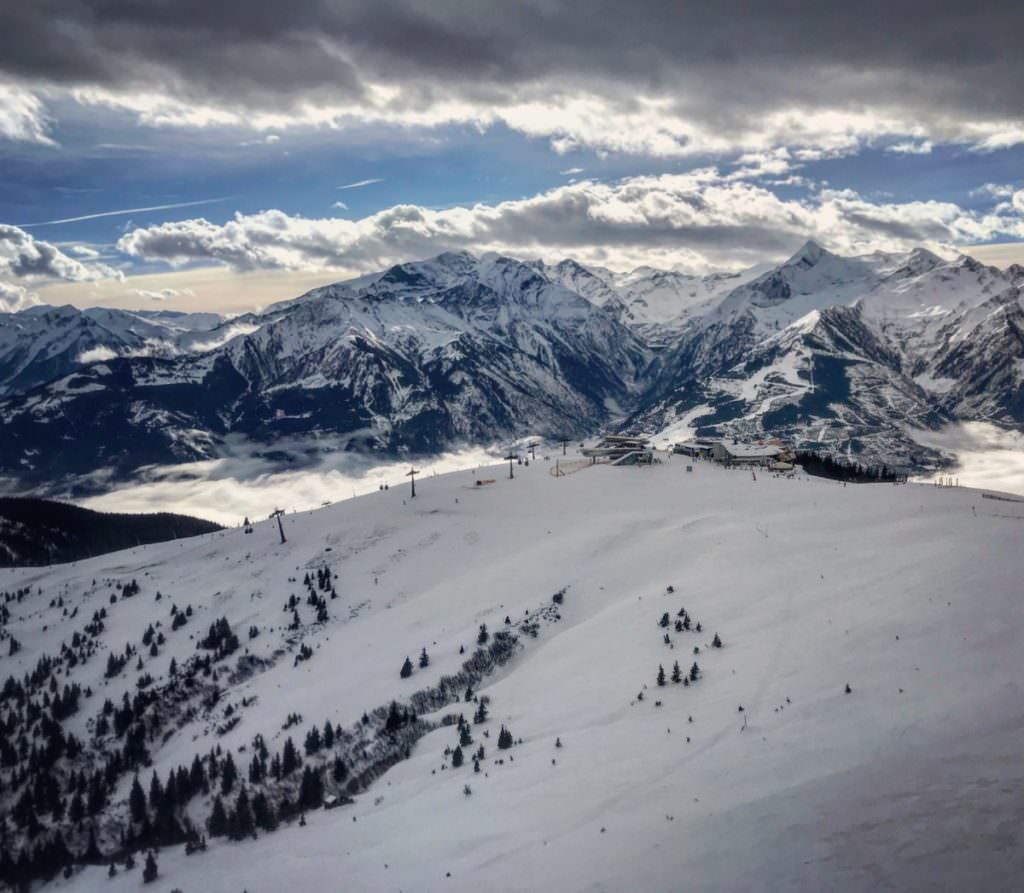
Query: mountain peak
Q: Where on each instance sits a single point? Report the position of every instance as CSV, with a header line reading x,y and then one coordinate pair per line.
x,y
809,254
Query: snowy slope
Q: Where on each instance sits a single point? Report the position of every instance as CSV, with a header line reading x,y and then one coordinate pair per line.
x,y
910,594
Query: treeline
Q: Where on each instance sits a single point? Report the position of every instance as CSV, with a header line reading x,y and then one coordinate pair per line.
x,y
40,531
854,472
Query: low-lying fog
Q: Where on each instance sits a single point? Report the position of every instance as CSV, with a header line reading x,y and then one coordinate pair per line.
x,y
247,484
229,489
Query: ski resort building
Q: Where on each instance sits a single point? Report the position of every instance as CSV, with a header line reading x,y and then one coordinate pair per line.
x,y
761,454
696,449
621,449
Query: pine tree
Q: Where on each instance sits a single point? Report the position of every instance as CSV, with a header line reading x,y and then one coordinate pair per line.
x,y
406,671
339,771
76,811
457,758
483,636
504,739
481,712
328,735
156,793
242,819
311,791
313,741
196,775
716,642
661,675
465,738
424,659
137,802
218,822
149,871
263,812
664,620
677,674
228,775
289,758
694,672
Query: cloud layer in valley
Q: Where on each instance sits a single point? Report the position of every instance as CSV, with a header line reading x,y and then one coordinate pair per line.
x,y
229,489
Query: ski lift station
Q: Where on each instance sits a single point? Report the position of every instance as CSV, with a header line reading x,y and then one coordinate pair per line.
x,y
621,449
733,452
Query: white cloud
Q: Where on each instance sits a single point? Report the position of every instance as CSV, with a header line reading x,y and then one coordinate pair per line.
x,y
696,219
25,257
15,297
341,206
97,354
996,190
164,294
909,147
83,251
22,116
571,171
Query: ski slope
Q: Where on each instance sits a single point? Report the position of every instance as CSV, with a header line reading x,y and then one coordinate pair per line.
x,y
910,594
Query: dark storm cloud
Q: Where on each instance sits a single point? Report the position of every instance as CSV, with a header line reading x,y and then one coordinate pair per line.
x,y
715,62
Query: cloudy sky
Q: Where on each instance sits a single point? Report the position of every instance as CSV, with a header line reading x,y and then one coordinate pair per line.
x,y
183,153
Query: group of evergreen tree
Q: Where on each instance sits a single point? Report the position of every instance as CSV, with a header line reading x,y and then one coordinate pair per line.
x,y
677,674
683,623
220,639
853,472
406,670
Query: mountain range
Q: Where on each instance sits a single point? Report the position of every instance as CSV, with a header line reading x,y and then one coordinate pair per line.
x,y
850,355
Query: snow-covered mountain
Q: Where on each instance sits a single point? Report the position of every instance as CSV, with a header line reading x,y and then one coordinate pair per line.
x,y
851,355
655,303
42,343
860,726
423,355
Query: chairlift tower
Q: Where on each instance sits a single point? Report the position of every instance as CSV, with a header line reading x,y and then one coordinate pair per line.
x,y
276,513
411,474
